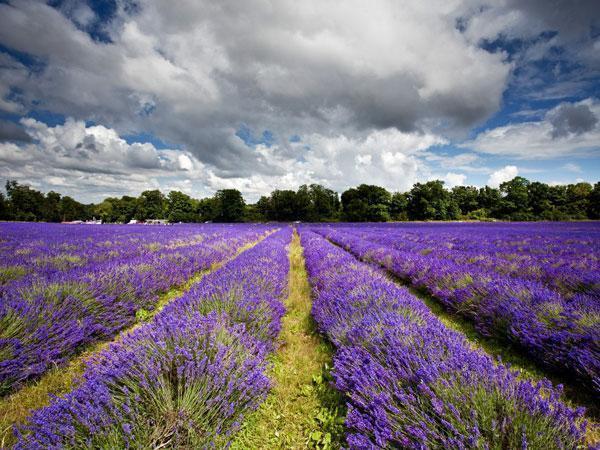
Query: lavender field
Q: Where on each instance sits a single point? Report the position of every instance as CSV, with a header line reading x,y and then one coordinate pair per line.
x,y
193,321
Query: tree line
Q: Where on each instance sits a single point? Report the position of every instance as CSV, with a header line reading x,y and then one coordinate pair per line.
x,y
518,199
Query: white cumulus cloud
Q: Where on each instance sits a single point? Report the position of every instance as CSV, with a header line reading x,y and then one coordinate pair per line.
x,y
498,177
568,129
455,179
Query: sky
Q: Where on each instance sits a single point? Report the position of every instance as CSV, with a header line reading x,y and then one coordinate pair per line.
x,y
114,97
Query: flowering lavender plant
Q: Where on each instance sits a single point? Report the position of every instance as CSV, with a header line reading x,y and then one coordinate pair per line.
x,y
46,316
559,331
413,383
185,379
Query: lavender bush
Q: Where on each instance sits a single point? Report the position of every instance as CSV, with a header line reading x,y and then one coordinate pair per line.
x,y
561,256
560,332
413,383
185,379
48,315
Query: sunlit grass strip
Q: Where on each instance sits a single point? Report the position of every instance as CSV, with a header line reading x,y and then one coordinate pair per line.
x,y
302,410
15,408
413,383
185,379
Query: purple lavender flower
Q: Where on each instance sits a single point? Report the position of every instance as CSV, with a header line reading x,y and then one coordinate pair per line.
x,y
505,279
83,284
413,383
187,378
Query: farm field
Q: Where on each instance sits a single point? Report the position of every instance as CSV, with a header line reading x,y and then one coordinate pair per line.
x,y
536,286
305,336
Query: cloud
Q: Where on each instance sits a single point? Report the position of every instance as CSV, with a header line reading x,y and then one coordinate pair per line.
x,y
79,12
553,45
91,162
93,149
466,162
389,158
370,92
318,67
454,179
568,129
572,167
10,131
571,119
517,19
498,177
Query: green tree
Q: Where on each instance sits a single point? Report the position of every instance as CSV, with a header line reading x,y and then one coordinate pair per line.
x,y
126,209
25,203
70,209
282,205
488,199
431,201
324,203
577,204
206,209
303,205
312,203
366,203
263,207
51,207
253,214
466,198
105,211
229,206
594,202
540,203
180,207
399,206
514,205
557,195
4,207
113,209
151,205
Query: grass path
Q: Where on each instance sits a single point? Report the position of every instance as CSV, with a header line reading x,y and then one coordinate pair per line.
x,y
302,409
15,408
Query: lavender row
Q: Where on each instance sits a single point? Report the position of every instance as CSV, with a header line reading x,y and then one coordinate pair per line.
x,y
573,278
41,251
563,256
45,321
186,379
561,335
413,383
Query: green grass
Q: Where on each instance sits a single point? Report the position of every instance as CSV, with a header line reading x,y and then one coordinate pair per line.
x,y
9,273
15,408
302,410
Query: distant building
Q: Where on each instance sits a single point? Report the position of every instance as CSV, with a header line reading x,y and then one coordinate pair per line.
x,y
156,222
87,222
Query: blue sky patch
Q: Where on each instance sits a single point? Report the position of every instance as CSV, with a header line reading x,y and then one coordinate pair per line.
x,y
245,134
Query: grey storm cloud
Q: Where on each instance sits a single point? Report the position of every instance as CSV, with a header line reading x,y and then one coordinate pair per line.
x,y
282,66
572,119
10,131
573,20
356,80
